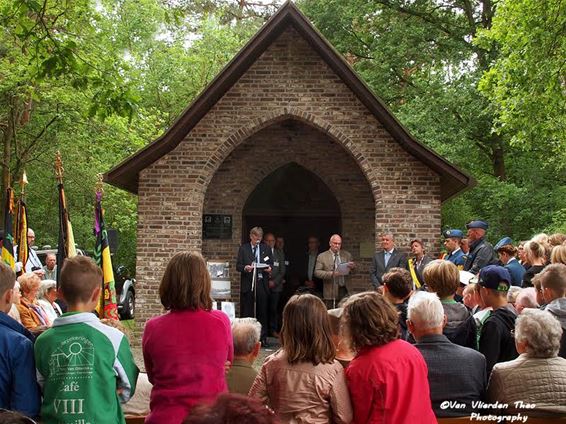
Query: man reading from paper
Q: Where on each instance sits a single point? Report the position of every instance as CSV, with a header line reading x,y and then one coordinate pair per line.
x,y
258,253
333,268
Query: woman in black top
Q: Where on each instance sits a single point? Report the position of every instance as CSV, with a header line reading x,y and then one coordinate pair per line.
x,y
535,254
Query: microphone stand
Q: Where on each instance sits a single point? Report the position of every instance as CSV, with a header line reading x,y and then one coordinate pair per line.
x,y
334,283
254,288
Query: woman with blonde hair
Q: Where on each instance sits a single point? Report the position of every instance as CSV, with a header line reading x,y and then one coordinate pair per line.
x,y
302,382
185,350
558,255
536,258
32,315
443,278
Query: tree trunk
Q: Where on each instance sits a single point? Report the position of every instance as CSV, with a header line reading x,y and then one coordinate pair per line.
x,y
498,158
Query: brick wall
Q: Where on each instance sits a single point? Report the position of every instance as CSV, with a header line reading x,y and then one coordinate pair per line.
x,y
378,185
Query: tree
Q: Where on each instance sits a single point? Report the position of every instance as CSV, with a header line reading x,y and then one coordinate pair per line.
x,y
527,82
98,82
425,60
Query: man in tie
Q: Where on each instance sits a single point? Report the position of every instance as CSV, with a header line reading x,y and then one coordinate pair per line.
x,y
389,257
276,281
259,254
328,269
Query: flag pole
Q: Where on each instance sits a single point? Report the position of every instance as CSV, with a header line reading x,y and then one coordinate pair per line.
x,y
61,254
21,224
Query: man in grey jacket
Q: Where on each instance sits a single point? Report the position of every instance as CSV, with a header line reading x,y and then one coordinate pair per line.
x,y
456,374
481,251
553,285
276,280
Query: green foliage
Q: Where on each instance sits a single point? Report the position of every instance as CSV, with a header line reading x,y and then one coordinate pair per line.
x,y
425,60
98,81
527,81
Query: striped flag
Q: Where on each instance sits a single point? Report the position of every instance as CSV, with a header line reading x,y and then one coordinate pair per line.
x,y
66,246
22,233
8,242
107,307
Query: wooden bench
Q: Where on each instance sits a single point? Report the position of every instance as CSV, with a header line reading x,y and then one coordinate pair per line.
x,y
531,420
459,420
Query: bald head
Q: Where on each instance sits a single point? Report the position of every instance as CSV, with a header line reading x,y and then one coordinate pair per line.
x,y
31,237
335,243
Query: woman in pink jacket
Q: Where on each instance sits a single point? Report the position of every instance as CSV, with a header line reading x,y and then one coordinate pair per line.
x,y
185,350
302,382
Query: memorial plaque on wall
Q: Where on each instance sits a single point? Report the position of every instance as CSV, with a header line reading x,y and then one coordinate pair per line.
x,y
217,227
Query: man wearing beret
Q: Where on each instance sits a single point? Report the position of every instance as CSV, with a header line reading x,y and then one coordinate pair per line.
x,y
496,340
452,239
481,252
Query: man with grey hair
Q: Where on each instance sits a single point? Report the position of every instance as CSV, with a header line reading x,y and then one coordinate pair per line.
x,y
246,333
50,267
538,374
334,283
389,257
456,374
255,258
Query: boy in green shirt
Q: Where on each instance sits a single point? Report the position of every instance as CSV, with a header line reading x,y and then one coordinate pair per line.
x,y
85,368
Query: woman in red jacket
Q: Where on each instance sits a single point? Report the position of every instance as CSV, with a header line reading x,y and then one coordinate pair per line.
x,y
388,378
186,349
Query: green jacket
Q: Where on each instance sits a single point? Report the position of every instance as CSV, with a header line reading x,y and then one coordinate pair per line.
x,y
82,365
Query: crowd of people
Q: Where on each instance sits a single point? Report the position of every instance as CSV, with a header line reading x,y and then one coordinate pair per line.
x,y
433,338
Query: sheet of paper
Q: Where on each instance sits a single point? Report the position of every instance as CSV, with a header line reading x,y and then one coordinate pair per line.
x,y
343,269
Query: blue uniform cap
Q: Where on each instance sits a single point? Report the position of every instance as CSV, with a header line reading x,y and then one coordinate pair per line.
x,y
503,242
453,233
477,224
495,277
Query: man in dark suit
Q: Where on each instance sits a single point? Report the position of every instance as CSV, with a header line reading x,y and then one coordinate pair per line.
x,y
456,374
308,278
249,254
386,259
276,281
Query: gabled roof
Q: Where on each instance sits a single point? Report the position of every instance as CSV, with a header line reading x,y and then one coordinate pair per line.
x,y
126,174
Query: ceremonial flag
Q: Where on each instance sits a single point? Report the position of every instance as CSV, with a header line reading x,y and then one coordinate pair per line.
x,y
22,233
8,242
66,245
107,307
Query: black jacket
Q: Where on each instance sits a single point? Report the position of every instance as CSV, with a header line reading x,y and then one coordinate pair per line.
x,y
496,340
246,257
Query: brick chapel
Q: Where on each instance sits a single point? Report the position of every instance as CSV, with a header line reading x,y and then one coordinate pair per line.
x,y
289,138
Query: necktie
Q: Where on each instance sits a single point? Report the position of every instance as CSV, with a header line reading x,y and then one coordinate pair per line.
x,y
255,253
387,257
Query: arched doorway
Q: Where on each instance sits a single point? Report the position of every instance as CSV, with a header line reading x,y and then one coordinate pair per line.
x,y
294,203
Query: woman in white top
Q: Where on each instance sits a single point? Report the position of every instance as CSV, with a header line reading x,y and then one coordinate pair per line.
x,y
46,298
